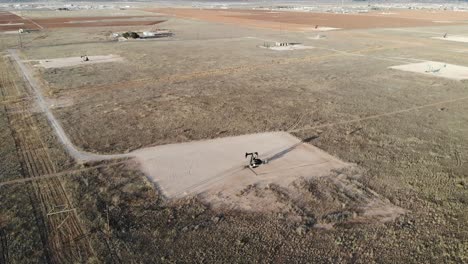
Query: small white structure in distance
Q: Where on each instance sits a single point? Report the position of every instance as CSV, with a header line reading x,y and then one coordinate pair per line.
x,y
284,46
318,36
437,69
291,47
156,33
320,28
149,34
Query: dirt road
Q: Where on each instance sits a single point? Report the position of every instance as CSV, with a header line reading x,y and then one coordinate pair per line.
x,y
78,155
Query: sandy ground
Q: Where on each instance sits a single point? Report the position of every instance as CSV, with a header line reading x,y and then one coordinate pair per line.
x,y
453,38
438,69
77,61
195,167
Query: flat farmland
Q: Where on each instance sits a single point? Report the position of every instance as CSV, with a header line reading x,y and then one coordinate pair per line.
x,y
428,15
10,22
97,21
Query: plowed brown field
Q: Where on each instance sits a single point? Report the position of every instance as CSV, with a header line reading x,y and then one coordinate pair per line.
x,y
10,21
17,22
96,22
303,21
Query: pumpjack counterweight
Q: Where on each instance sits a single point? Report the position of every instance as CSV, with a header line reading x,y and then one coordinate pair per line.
x,y
254,160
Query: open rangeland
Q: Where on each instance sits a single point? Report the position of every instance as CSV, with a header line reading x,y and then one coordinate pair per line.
x,y
138,154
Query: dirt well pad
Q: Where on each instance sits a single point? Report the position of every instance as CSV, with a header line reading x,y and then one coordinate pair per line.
x,y
77,61
195,167
217,172
437,69
454,38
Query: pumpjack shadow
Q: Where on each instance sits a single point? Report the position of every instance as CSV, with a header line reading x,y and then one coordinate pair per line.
x,y
255,161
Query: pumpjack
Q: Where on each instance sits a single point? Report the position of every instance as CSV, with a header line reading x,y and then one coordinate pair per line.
x,y
254,160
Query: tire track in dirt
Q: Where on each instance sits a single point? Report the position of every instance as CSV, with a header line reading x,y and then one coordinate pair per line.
x,y
173,78
64,239
377,116
458,158
62,229
58,174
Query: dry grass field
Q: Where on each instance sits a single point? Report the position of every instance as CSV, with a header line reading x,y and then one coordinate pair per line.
x,y
398,192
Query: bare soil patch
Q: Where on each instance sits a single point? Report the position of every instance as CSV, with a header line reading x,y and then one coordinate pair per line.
x,y
453,38
437,15
10,22
216,171
77,61
97,21
195,167
437,69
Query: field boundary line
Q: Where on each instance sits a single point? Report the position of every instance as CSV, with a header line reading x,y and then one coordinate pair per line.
x,y
406,110
58,174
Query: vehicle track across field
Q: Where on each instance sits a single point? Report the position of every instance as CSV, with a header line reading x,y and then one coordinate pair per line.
x,y
63,237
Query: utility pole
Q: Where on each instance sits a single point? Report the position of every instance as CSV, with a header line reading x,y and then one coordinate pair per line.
x,y
20,41
20,31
